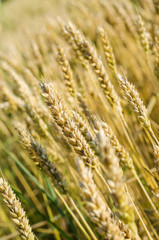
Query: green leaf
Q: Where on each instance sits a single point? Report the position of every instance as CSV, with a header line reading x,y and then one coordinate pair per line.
x,y
49,186
22,198
52,199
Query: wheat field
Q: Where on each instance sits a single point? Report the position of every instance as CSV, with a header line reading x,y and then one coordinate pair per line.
x,y
79,120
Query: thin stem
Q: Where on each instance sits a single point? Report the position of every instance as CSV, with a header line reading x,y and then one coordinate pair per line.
x,y
137,212
145,192
103,180
82,218
72,214
131,140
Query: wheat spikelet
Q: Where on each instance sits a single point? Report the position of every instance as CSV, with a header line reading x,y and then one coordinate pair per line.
x,y
87,112
16,211
66,70
134,99
40,157
125,159
143,34
157,58
41,42
96,207
22,86
38,57
40,124
91,55
156,154
137,104
69,39
85,129
30,102
115,181
41,109
11,62
68,127
108,51
124,15
14,101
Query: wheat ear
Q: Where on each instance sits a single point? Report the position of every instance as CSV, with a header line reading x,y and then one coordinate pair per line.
x,y
143,34
108,51
107,223
41,158
125,159
96,207
65,66
69,128
85,130
16,211
87,112
91,55
137,104
22,86
156,154
15,102
115,180
157,58
69,39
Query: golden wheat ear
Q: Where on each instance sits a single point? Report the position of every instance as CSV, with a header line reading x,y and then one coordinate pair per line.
x,y
67,125
66,69
156,67
16,211
123,154
108,225
90,54
116,183
143,35
135,101
95,205
39,155
108,51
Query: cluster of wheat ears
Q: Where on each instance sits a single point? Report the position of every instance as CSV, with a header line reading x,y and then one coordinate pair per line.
x,y
79,121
